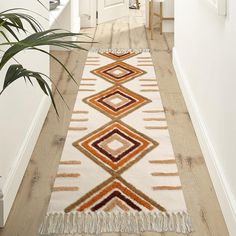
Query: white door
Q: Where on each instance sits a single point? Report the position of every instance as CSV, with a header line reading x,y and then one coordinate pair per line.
x,y
112,9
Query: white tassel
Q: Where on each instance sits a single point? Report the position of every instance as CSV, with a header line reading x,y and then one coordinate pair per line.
x,y
103,222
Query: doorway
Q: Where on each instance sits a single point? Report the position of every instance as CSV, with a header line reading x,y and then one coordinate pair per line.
x,y
100,11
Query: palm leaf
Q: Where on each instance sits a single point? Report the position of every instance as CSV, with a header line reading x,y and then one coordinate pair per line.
x,y
48,37
16,72
11,21
14,23
32,42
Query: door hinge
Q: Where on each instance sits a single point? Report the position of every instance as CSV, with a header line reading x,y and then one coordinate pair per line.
x,y
97,14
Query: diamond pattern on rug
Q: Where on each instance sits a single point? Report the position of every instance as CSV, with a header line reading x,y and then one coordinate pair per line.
x,y
119,56
114,195
118,72
120,176
116,146
116,101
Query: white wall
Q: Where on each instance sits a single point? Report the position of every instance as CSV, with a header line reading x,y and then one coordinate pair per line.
x,y
22,112
66,16
205,62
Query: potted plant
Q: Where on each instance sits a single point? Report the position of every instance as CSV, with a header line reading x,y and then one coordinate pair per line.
x,y
12,23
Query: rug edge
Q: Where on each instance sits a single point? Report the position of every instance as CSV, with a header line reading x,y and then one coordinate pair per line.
x,y
103,222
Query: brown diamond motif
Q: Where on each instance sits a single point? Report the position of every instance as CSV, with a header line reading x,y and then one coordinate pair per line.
x,y
118,72
116,101
115,145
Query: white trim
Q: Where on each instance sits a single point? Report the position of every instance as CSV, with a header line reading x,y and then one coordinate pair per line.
x,y
1,208
10,187
224,194
88,10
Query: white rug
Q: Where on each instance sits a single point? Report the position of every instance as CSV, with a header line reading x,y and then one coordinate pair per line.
x,y
118,171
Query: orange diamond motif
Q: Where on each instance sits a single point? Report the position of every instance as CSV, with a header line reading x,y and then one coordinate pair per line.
x,y
115,145
117,194
118,72
116,101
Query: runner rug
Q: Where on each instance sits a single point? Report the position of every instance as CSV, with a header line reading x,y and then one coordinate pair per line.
x,y
118,172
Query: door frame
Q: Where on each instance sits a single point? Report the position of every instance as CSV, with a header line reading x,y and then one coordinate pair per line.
x,y
112,11
88,13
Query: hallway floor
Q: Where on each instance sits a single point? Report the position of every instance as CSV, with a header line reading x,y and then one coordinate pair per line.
x,y
34,194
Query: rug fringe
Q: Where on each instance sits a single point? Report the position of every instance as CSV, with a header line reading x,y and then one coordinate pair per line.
x,y
103,222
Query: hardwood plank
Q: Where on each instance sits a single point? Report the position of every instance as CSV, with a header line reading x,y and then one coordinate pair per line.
x,y
138,37
56,74
162,61
169,37
103,36
120,34
158,43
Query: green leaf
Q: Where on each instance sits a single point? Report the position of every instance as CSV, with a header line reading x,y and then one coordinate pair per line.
x,y
14,23
53,37
17,71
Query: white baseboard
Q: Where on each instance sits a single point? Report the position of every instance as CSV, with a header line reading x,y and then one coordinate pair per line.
x,y
1,209
225,197
11,186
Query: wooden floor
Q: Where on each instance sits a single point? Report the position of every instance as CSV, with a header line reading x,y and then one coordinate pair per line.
x,y
34,194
